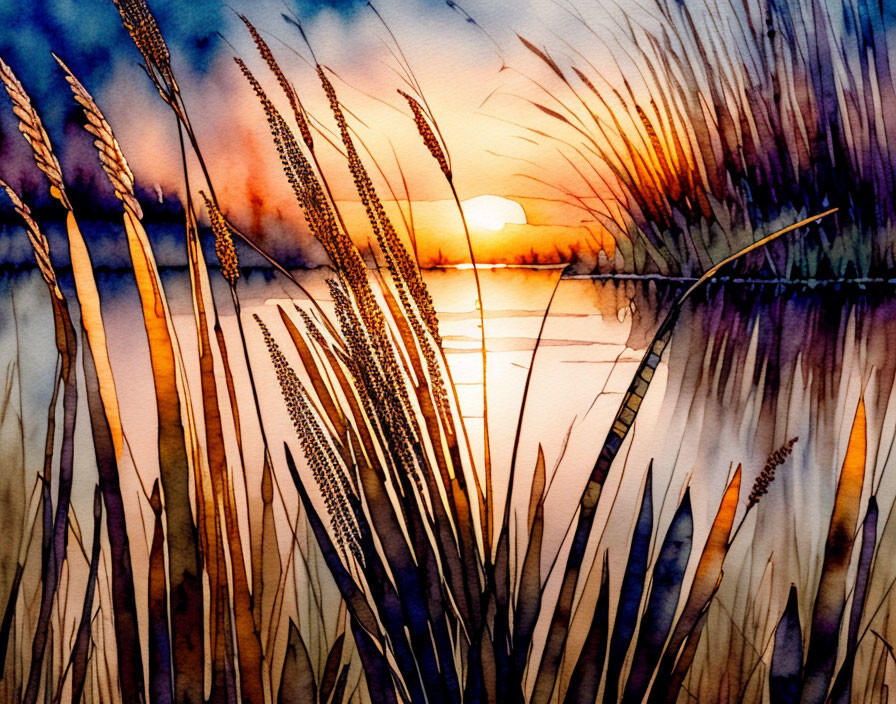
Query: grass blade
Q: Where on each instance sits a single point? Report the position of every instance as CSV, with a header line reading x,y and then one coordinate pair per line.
x,y
830,599
843,683
631,591
124,601
668,573
585,679
81,649
297,685
160,683
380,685
351,593
528,603
331,669
706,581
786,670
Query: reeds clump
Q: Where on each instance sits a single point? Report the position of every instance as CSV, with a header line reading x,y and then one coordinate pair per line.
x,y
709,131
391,427
105,417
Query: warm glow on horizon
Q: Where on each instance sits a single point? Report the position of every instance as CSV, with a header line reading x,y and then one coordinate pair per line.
x,y
493,212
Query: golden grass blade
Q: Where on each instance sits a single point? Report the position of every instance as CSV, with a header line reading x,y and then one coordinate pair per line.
x,y
830,599
706,581
175,436
270,566
709,568
250,655
92,321
429,388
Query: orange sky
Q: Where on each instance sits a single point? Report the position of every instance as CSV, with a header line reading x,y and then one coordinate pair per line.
x,y
483,111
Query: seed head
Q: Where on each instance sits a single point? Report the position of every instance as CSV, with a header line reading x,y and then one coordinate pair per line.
x,y
767,475
426,132
230,264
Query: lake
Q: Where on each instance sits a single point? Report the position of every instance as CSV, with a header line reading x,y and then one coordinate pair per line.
x,y
748,368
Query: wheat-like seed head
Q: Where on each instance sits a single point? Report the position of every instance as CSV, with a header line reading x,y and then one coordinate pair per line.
x,y
306,186
404,271
111,157
312,328
371,357
141,24
297,110
325,466
767,475
230,264
429,138
38,240
32,129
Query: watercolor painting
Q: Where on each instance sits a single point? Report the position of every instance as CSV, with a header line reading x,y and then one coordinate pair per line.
x,y
426,351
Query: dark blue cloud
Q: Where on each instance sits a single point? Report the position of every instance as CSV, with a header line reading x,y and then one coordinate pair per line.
x,y
309,7
89,37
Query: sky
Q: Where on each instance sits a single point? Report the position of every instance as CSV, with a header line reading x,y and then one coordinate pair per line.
x,y
474,71
478,77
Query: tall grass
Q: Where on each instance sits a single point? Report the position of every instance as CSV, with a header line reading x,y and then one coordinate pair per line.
x,y
721,120
439,598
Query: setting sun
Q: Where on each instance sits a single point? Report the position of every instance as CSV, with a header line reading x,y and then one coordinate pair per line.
x,y
493,212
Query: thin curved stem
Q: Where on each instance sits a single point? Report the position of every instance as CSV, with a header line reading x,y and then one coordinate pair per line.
x,y
486,445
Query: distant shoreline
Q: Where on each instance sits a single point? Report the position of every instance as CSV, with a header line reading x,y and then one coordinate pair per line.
x,y
7,268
